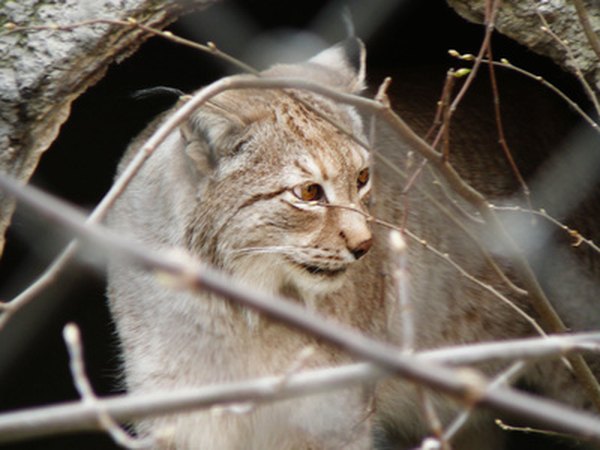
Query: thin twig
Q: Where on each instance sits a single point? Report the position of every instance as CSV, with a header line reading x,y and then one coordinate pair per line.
x,y
528,430
447,114
490,23
526,349
576,235
72,338
500,130
442,110
435,424
448,259
506,377
506,64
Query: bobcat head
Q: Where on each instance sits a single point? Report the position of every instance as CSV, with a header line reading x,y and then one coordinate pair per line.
x,y
279,186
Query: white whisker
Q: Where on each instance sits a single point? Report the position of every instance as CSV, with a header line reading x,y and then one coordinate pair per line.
x,y
276,249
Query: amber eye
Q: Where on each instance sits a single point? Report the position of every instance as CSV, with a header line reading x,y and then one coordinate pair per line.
x,y
310,192
363,178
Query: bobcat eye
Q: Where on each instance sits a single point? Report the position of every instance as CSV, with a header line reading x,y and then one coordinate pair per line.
x,y
310,192
363,178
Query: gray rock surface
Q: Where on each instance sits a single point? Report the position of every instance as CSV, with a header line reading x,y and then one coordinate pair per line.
x,y
520,20
43,71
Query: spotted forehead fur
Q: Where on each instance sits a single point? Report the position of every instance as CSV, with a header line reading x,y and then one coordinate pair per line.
x,y
299,123
296,131
323,147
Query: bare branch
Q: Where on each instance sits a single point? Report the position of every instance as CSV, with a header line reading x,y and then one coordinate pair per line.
x,y
435,424
506,427
504,63
490,23
504,378
72,338
469,389
81,416
527,349
500,130
400,276
576,235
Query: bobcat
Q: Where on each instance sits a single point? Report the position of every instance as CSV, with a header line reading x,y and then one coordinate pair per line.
x,y
258,184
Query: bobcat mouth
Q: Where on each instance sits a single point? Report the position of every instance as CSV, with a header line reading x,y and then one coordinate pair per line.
x,y
315,270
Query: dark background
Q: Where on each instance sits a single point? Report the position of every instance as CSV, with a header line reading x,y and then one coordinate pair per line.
x,y
80,165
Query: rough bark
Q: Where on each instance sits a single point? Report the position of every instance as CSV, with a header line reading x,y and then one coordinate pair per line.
x,y
42,71
519,20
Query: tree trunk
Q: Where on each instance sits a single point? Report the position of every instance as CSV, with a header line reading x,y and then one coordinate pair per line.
x,y
520,20
43,71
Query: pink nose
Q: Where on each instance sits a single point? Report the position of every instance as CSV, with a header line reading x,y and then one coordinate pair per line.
x,y
361,249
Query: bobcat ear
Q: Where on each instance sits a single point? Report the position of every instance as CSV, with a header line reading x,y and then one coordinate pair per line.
x,y
197,152
211,134
347,58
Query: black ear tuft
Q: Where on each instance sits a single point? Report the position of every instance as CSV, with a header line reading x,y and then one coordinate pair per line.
x,y
354,49
143,94
348,22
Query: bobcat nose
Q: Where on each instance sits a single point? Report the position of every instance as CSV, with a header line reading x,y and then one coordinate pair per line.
x,y
361,249
355,233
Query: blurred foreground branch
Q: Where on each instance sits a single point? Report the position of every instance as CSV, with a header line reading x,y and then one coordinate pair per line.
x,y
85,416
467,387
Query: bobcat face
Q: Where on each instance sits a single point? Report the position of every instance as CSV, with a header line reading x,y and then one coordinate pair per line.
x,y
283,190
304,219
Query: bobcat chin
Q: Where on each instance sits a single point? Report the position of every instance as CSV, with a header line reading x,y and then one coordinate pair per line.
x,y
258,184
